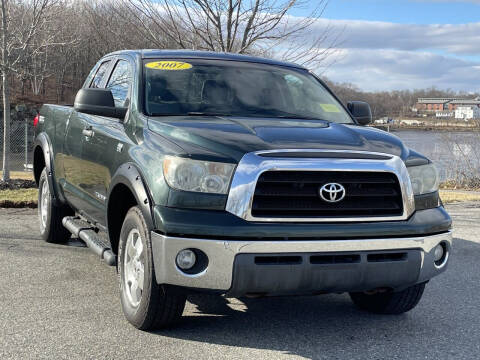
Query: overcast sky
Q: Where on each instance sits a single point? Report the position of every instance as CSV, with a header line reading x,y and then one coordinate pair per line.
x,y
402,44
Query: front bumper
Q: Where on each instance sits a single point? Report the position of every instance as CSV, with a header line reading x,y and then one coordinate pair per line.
x,y
299,267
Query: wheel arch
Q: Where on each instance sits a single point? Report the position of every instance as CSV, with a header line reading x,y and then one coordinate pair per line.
x,y
127,189
42,158
42,155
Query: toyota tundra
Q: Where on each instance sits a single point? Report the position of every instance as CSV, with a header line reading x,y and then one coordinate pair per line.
x,y
200,171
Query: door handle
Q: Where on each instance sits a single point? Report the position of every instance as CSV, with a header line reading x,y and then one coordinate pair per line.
x,y
88,132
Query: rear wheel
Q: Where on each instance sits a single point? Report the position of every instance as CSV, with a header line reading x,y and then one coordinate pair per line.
x,y
50,215
146,304
389,302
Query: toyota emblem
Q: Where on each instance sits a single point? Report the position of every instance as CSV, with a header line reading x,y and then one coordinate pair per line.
x,y
332,192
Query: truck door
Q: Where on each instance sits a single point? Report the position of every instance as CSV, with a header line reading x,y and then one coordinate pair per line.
x,y
100,149
77,131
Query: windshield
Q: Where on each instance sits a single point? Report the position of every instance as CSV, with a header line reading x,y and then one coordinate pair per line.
x,y
228,88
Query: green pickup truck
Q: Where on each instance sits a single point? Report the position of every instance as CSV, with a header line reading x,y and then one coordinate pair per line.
x,y
199,171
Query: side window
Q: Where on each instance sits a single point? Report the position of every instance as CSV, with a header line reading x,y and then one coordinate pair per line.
x,y
97,80
90,76
120,81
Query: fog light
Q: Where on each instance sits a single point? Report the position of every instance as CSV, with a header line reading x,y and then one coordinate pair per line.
x,y
438,254
186,259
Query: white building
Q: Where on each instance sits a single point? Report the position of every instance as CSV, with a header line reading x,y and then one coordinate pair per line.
x,y
467,112
445,114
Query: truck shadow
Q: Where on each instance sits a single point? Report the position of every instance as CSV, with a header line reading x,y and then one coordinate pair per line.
x,y
293,325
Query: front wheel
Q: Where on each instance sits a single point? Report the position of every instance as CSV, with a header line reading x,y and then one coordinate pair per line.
x,y
389,302
146,304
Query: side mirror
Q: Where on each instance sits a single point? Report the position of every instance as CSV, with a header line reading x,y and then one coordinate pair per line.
x,y
98,102
361,112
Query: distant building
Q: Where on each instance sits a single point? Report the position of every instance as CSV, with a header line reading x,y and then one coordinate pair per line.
x,y
467,112
445,104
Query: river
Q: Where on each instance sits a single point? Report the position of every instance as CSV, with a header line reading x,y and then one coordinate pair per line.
x,y
456,153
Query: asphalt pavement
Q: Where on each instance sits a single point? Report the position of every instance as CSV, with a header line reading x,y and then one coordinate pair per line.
x,y
61,302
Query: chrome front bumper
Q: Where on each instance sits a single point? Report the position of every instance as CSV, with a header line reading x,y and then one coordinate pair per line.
x,y
222,254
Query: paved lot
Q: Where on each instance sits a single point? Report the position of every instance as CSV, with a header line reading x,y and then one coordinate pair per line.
x,y
60,301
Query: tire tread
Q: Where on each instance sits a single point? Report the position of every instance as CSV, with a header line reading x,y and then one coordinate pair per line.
x,y
165,303
171,311
392,303
56,232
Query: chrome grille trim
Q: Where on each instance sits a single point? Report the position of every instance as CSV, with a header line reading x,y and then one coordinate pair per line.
x,y
252,165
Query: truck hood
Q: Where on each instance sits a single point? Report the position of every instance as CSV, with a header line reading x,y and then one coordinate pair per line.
x,y
232,137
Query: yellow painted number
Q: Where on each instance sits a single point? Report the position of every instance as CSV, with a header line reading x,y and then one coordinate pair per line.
x,y
169,65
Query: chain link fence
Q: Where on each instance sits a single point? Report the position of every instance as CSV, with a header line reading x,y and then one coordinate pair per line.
x,y
21,138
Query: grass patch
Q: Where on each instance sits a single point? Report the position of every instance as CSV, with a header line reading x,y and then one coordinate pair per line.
x,y
25,175
455,196
19,198
470,184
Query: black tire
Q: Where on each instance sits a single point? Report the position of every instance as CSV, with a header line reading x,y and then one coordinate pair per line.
x,y
159,306
390,302
50,215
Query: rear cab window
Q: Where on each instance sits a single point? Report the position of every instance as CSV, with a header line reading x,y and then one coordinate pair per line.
x,y
97,79
120,81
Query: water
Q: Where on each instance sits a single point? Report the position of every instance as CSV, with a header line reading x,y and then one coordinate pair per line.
x,y
456,153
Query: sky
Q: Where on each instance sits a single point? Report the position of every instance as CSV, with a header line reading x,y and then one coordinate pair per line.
x,y
403,44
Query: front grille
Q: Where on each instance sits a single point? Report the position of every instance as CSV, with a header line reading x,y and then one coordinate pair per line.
x,y
296,194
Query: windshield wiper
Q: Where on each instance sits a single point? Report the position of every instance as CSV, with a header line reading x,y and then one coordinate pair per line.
x,y
298,117
201,113
284,115
164,114
191,113
280,114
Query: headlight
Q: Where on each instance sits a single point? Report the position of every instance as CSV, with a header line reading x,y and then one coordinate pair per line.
x,y
194,175
424,178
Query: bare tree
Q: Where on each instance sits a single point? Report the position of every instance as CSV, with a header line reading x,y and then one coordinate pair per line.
x,y
5,93
109,20
262,27
22,23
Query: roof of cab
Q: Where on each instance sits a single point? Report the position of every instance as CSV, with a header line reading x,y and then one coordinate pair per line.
x,y
192,54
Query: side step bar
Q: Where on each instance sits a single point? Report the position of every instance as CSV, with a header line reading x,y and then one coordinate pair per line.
x,y
87,233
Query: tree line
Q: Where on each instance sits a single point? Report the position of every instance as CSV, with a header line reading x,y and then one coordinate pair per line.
x,y
394,103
